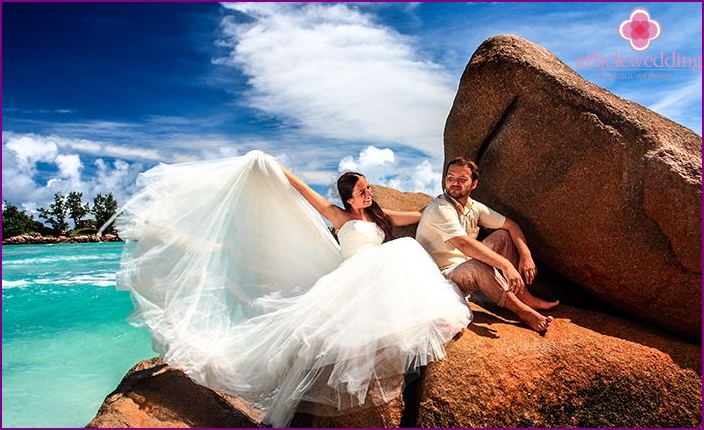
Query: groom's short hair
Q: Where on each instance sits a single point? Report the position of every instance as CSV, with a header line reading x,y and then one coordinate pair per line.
x,y
464,161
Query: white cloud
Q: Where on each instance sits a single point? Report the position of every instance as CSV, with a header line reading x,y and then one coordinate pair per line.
x,y
28,157
424,178
335,73
119,179
381,166
69,168
27,150
370,159
131,152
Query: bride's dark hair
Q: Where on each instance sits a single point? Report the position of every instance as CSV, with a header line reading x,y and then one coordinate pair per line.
x,y
345,186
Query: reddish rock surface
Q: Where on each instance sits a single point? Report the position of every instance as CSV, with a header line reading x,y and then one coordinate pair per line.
x,y
607,191
155,395
588,370
28,239
389,198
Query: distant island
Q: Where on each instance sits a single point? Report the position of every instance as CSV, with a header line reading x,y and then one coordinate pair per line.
x,y
20,227
29,239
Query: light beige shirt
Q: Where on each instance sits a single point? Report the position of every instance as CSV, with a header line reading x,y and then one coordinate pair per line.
x,y
445,218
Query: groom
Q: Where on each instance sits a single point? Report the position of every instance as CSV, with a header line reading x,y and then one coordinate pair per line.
x,y
500,266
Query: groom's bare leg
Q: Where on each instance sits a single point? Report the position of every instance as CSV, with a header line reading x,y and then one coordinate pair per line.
x,y
500,241
474,275
535,303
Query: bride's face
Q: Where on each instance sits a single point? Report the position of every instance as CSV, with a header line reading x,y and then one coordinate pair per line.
x,y
361,194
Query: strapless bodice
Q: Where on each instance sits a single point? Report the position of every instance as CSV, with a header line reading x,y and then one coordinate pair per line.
x,y
356,235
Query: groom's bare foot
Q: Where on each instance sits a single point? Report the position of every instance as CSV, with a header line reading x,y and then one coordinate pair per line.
x,y
538,322
528,315
545,324
536,303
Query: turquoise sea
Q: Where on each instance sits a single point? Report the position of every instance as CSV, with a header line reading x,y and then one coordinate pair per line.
x,y
66,343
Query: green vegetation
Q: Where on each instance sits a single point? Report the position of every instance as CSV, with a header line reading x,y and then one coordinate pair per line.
x,y
104,207
16,222
64,208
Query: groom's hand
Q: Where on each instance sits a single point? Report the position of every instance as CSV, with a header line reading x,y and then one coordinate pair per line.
x,y
514,279
527,268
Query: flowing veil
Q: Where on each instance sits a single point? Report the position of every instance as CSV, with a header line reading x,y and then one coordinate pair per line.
x,y
206,243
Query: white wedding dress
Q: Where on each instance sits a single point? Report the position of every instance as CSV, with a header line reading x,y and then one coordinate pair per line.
x,y
244,288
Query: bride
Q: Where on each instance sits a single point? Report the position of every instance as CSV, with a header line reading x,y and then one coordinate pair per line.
x,y
243,287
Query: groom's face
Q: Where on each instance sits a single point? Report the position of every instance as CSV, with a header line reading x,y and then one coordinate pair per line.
x,y
458,182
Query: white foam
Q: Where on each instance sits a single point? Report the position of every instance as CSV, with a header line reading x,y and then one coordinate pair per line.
x,y
14,284
106,279
98,279
62,258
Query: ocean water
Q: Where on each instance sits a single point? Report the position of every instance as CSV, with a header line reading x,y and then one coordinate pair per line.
x,y
66,343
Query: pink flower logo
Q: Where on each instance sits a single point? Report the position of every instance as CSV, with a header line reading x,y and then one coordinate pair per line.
x,y
639,30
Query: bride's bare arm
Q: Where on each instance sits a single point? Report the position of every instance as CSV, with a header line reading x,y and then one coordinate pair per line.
x,y
336,215
399,218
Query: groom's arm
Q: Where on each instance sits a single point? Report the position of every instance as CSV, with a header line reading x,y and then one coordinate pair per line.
x,y
475,249
526,265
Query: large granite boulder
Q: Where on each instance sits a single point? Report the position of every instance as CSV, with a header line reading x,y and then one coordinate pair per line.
x,y
154,395
589,370
607,191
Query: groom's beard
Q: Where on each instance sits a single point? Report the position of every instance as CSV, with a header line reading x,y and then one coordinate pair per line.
x,y
457,194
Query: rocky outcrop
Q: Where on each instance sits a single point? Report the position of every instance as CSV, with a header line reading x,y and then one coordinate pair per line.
x,y
28,239
607,191
155,395
588,370
389,198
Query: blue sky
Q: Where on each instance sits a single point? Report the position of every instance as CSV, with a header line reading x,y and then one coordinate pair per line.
x,y
94,93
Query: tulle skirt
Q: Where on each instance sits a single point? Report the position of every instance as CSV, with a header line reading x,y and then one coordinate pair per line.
x,y
242,286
